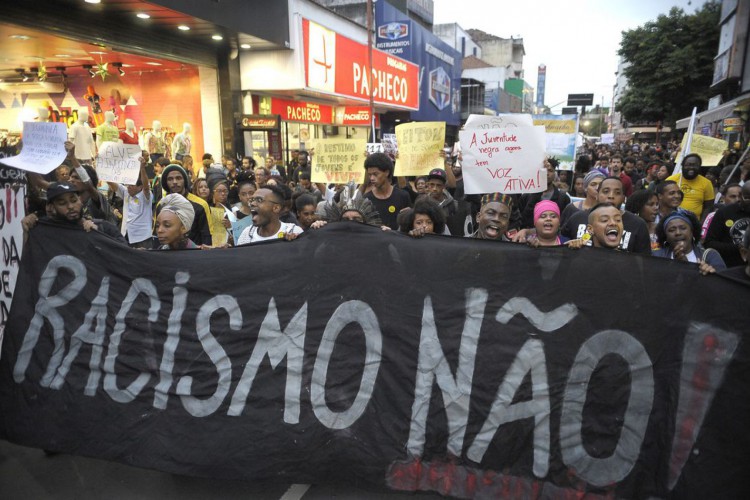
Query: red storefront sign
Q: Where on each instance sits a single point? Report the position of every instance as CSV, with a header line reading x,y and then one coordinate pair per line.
x,y
354,116
300,111
337,65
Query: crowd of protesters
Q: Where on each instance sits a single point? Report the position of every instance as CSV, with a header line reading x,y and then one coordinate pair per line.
x,y
624,197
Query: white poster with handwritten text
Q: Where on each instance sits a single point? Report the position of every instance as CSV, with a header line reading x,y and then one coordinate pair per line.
x,y
118,163
504,160
43,147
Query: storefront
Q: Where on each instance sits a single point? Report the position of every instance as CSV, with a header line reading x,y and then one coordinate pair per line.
x,y
163,61
321,88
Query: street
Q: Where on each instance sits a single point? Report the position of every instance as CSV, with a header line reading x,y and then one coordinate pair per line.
x,y
27,473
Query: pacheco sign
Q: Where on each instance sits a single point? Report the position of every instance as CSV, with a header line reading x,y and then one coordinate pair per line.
x,y
335,64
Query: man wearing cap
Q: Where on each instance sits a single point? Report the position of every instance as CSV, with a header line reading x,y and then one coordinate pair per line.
x,y
436,182
493,218
174,179
64,207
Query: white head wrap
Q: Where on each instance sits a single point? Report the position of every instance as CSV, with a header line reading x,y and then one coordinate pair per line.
x,y
181,207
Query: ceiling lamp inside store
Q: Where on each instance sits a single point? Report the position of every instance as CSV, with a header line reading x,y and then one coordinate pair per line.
x,y
19,47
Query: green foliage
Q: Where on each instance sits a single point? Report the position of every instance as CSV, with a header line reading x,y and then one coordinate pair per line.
x,y
671,65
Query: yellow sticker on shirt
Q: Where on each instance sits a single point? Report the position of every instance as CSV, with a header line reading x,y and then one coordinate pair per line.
x,y
729,223
391,209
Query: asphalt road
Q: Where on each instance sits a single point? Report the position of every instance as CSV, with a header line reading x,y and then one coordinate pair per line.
x,y
29,474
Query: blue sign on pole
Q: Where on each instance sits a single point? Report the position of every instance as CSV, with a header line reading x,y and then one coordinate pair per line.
x,y
439,63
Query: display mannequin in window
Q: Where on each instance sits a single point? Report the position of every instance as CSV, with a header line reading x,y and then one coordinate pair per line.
x,y
129,135
83,137
181,142
107,131
156,144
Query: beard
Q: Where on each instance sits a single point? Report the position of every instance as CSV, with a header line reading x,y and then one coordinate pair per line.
x,y
690,173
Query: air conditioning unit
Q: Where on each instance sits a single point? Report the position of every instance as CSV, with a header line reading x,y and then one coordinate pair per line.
x,y
19,87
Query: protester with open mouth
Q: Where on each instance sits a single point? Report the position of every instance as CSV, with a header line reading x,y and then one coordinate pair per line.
x,y
494,217
605,226
679,235
265,210
547,225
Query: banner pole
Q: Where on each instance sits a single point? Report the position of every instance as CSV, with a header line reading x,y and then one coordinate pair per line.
x,y
736,165
678,167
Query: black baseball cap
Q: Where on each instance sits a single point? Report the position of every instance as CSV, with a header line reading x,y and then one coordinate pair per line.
x,y
438,173
56,189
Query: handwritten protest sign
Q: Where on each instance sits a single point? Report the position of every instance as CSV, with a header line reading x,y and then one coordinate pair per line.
x,y
608,138
710,149
390,144
419,144
507,160
43,147
118,162
499,121
338,160
375,147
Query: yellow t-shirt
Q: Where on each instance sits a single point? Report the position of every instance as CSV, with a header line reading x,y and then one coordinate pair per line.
x,y
696,191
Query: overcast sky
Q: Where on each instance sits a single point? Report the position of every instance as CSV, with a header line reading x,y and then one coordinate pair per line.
x,y
577,39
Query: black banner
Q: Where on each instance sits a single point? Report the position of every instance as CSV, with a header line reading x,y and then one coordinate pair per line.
x,y
470,368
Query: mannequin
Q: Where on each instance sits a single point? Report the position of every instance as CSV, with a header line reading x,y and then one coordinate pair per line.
x,y
155,142
181,142
82,136
43,114
107,131
129,136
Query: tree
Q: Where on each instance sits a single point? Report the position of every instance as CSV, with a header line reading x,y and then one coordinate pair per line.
x,y
671,65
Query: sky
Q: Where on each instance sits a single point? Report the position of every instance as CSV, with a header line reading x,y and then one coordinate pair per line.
x,y
576,39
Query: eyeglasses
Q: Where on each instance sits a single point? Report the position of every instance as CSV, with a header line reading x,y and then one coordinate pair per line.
x,y
258,200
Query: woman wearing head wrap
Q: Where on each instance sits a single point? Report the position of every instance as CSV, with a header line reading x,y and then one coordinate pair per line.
x,y
173,222
679,234
547,225
591,183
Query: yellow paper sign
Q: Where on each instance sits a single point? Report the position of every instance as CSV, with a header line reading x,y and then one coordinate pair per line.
x,y
338,160
557,126
710,150
419,146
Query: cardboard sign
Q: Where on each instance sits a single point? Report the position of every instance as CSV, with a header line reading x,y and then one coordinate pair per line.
x,y
338,160
118,163
710,150
43,147
420,144
499,121
508,160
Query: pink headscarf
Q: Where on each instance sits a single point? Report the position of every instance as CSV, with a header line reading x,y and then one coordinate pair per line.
x,y
545,206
